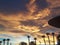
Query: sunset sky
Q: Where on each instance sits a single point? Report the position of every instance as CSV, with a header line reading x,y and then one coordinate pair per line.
x,y
19,18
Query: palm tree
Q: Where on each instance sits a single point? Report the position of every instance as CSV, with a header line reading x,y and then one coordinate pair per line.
x,y
44,39
40,42
23,43
48,37
35,40
28,39
0,42
4,41
32,43
53,38
58,39
8,41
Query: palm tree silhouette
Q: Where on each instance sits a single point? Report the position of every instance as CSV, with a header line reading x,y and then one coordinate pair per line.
x,y
28,39
32,43
35,40
58,39
40,42
8,41
48,37
4,41
53,38
44,39
0,42
23,43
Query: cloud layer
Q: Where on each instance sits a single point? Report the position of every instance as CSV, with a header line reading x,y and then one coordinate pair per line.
x,y
19,17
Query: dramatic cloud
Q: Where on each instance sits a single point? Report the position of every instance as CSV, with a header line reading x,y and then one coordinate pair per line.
x,y
28,23
24,17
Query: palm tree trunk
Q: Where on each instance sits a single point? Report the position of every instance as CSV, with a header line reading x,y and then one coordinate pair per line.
x,y
58,39
10,43
48,39
7,42
53,40
40,42
28,41
35,41
44,41
0,42
3,42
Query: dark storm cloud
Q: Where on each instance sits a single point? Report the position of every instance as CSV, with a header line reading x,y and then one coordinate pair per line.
x,y
13,6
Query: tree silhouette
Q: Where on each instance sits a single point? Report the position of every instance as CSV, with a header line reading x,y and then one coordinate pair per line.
x,y
53,38
23,43
4,41
28,39
0,42
48,37
8,41
40,42
58,39
32,43
35,40
44,39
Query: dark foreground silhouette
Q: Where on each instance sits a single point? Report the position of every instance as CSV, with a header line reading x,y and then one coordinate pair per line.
x,y
7,41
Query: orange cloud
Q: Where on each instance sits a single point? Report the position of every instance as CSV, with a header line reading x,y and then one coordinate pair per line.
x,y
33,22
